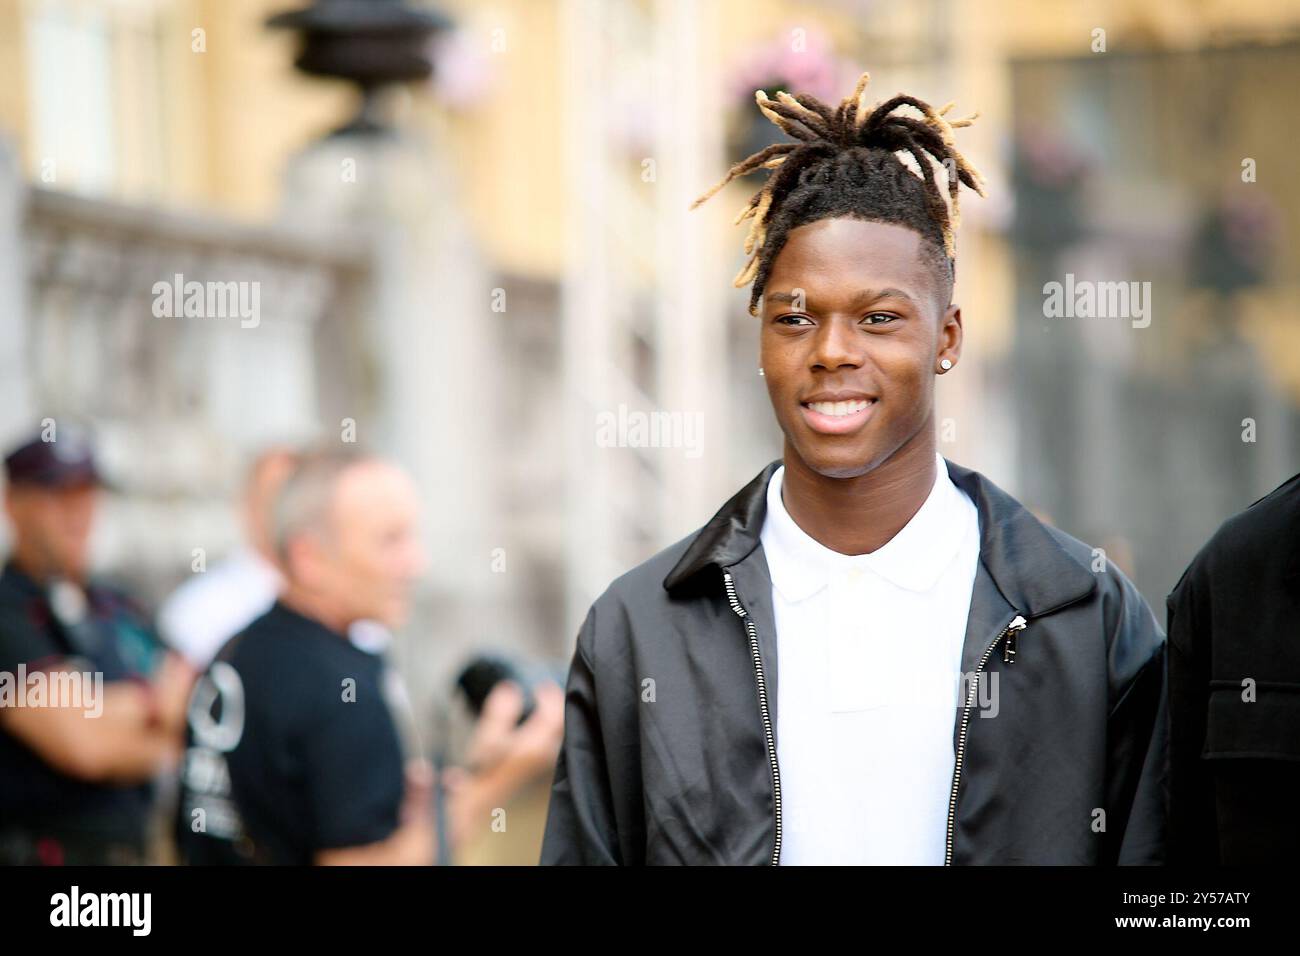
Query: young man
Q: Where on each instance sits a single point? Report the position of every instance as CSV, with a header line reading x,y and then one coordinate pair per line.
x,y
869,655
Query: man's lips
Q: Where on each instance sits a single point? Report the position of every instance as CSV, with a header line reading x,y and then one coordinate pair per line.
x,y
837,413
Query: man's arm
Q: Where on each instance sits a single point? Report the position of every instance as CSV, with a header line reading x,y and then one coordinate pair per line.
x,y
411,844
503,757
1138,740
136,733
1192,818
580,824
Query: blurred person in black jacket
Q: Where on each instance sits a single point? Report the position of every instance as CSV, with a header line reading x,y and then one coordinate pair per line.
x,y
1234,691
91,705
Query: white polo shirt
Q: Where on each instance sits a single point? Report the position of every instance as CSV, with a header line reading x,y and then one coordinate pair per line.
x,y
868,670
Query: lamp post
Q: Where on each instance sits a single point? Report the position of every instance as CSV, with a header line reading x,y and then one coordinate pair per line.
x,y
370,43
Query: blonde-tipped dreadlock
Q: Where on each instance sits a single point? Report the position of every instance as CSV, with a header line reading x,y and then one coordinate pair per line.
x,y
846,162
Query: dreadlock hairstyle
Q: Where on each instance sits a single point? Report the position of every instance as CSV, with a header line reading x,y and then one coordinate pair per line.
x,y
847,162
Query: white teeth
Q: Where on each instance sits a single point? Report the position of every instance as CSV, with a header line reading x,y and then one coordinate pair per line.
x,y
838,409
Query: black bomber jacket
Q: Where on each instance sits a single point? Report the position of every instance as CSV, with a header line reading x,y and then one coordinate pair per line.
x,y
1069,768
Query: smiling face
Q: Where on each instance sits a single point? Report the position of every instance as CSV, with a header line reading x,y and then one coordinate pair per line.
x,y
855,321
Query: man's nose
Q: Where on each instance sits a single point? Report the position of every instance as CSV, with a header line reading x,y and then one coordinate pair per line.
x,y
837,345
417,562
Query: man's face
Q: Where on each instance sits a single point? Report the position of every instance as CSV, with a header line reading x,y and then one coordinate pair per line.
x,y
53,525
852,334
372,555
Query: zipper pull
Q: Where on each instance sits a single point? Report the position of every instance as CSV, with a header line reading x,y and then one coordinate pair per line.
x,y
1017,625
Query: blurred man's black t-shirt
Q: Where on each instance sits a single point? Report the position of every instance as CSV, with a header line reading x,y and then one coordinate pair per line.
x,y
291,748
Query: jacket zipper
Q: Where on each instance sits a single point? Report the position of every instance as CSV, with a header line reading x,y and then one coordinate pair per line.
x,y
752,632
1017,625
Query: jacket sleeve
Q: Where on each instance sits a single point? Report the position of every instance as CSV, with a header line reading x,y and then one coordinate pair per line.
x,y
1192,818
580,824
1138,739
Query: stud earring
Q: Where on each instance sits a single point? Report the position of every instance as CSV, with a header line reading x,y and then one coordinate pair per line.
x,y
760,371
945,364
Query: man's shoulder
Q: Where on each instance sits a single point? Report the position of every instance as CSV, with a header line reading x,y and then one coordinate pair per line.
x,y
1252,543
290,676
1257,530
728,536
17,601
1114,591
26,634
639,592
973,484
270,649
1081,551
1125,622
18,594
648,576
1111,579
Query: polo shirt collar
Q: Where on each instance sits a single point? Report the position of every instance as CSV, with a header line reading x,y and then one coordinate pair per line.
x,y
913,559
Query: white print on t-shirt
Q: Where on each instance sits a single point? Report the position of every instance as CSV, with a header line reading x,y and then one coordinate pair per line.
x,y
205,774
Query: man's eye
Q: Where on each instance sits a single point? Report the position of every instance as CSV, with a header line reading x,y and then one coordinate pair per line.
x,y
793,320
879,318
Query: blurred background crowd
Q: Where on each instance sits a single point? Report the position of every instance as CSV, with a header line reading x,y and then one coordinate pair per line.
x,y
464,235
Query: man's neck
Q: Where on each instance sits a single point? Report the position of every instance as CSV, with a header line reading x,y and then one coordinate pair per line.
x,y
31,563
860,515
315,607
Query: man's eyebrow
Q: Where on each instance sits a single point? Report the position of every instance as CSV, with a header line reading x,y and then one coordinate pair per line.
x,y
868,296
862,299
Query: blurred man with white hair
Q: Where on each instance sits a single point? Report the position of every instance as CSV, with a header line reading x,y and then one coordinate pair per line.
x,y
294,756
294,753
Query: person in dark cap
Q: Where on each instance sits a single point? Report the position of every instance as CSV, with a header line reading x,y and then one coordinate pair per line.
x,y
91,704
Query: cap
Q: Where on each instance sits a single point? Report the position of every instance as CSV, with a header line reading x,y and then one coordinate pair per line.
x,y
64,462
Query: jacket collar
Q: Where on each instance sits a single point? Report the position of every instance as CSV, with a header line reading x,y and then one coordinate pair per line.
x,y
913,560
1028,565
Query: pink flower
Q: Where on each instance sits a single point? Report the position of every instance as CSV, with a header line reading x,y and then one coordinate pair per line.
x,y
798,60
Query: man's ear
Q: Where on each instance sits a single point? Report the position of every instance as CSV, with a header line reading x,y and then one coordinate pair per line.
x,y
14,498
299,558
950,335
